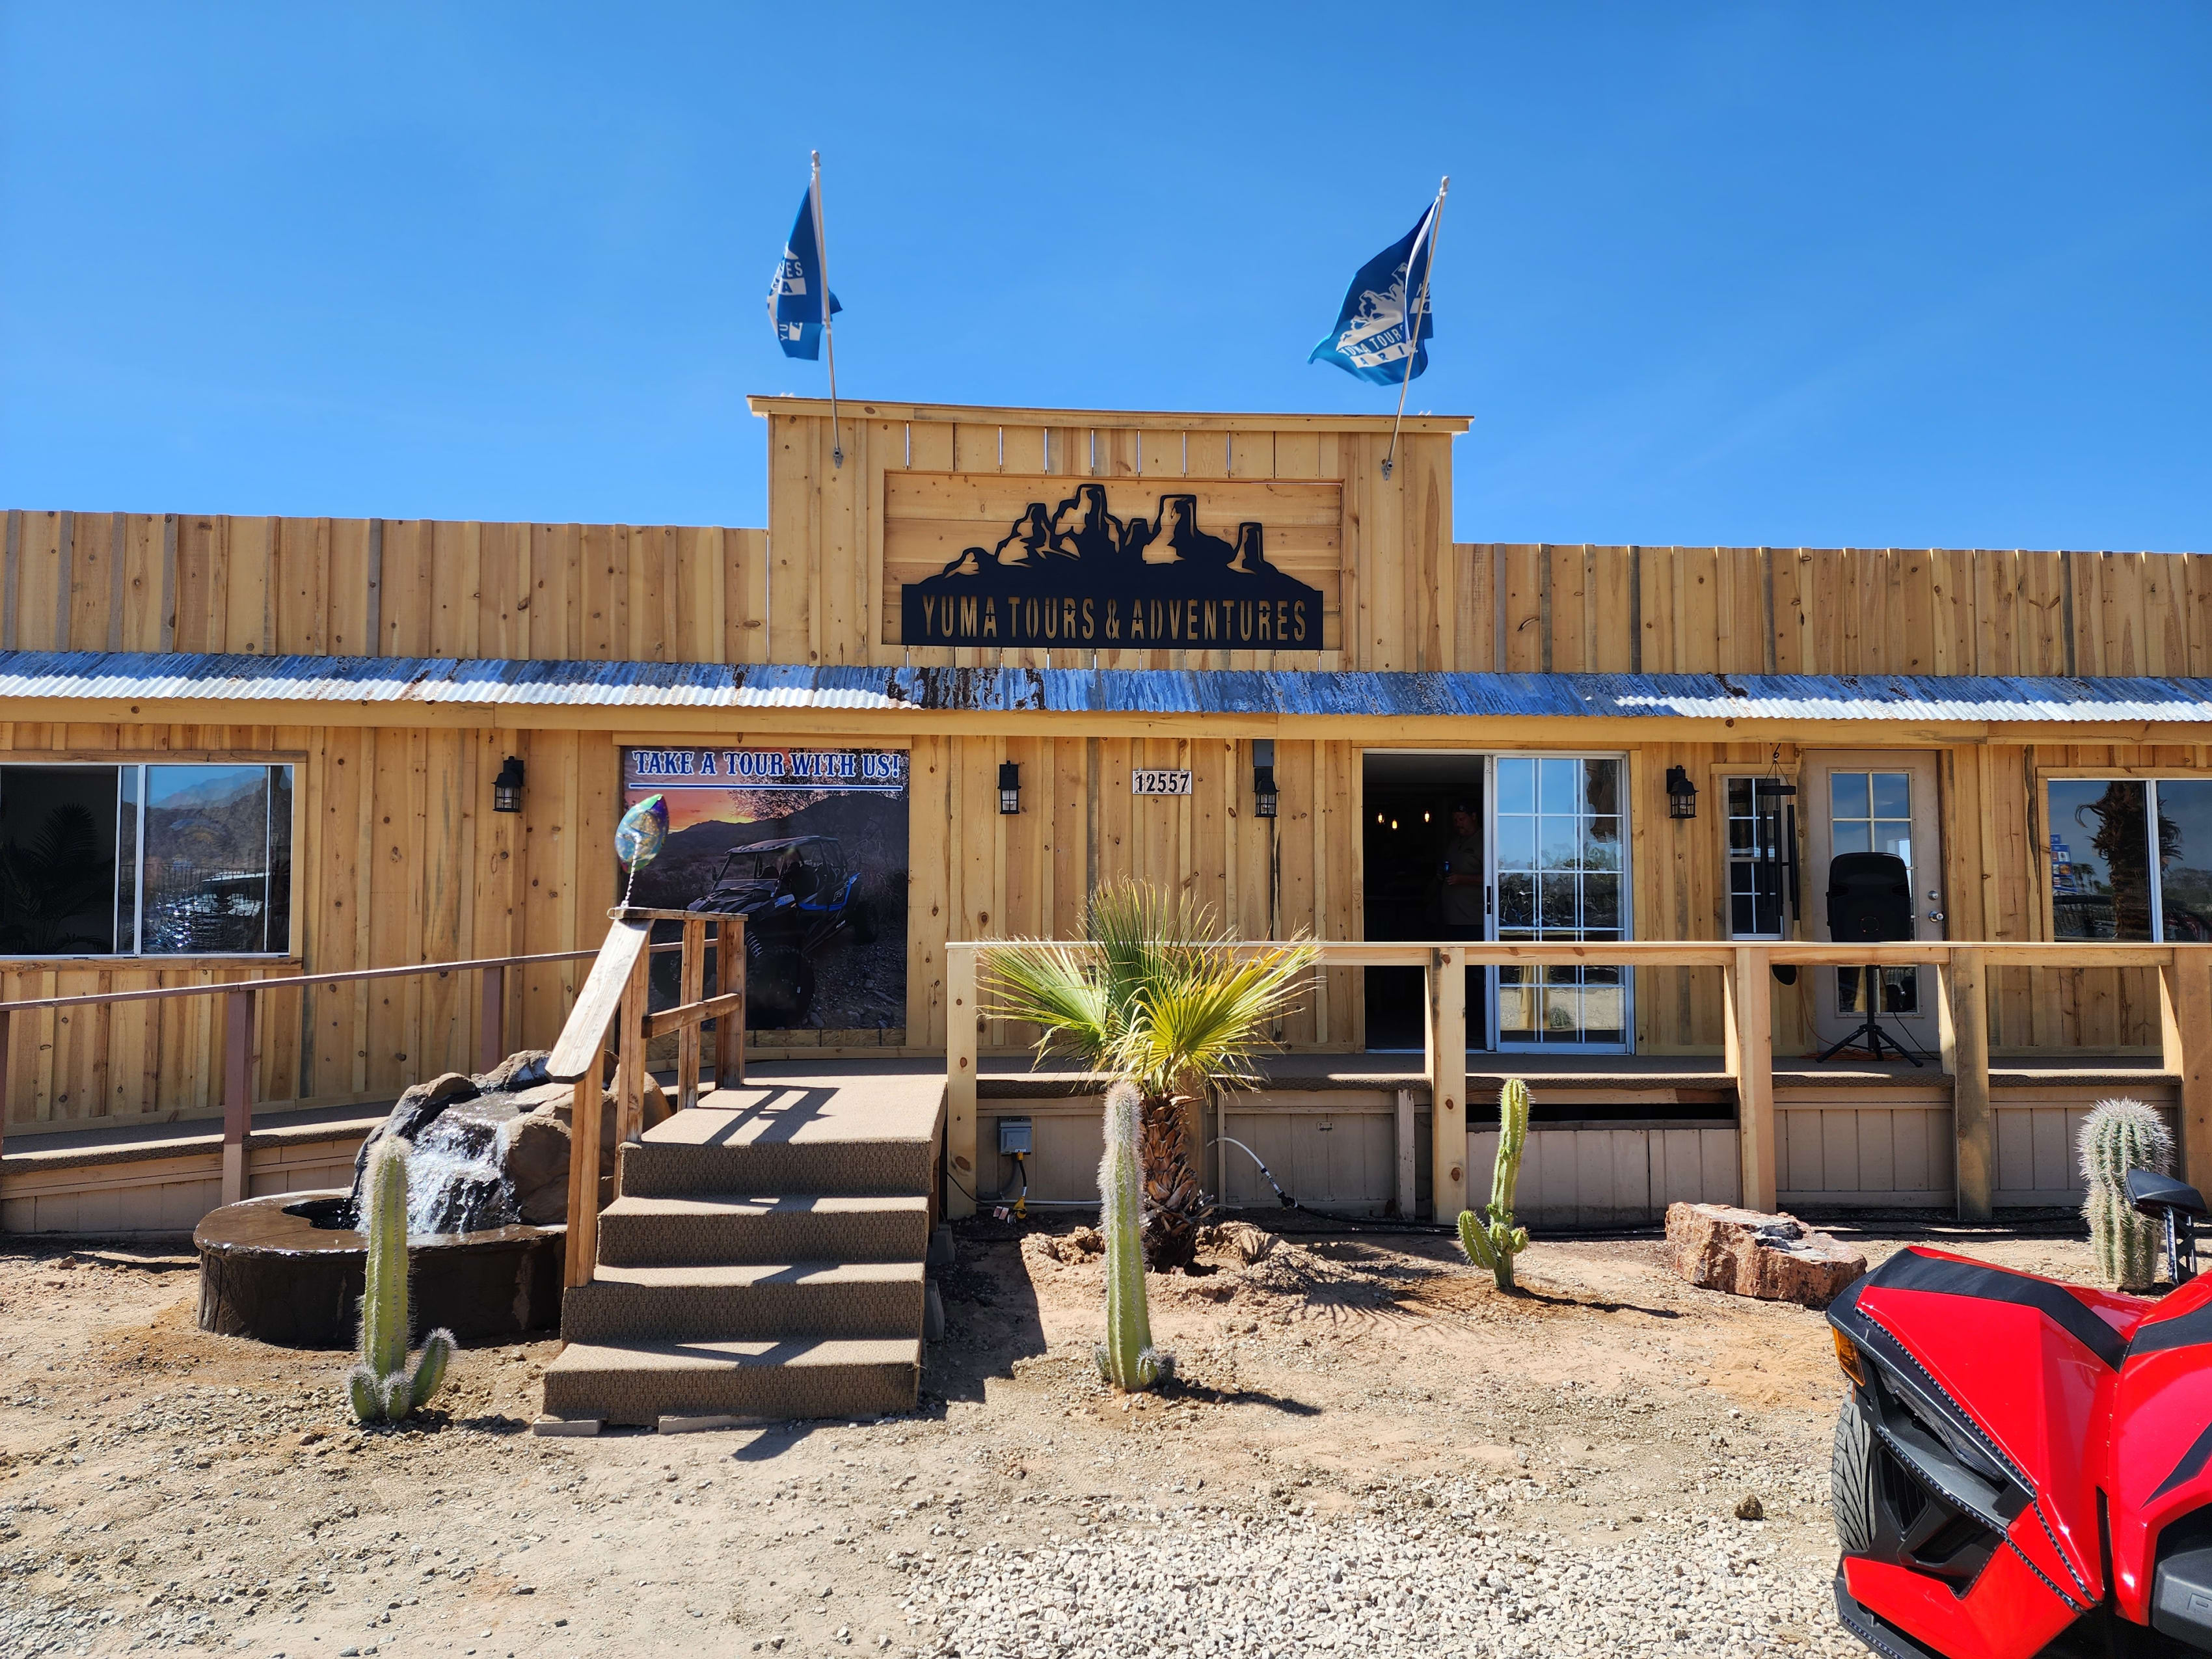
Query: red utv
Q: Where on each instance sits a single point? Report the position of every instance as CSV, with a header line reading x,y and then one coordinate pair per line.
x,y
2025,1467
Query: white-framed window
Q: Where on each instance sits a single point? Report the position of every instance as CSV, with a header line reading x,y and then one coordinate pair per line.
x,y
2131,858
145,858
1560,863
1756,854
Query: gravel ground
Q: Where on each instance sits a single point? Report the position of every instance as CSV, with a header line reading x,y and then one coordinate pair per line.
x,y
1368,1449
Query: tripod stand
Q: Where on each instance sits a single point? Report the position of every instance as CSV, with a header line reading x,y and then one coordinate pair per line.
x,y
1869,1036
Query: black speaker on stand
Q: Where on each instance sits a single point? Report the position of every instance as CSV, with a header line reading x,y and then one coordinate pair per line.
x,y
1870,903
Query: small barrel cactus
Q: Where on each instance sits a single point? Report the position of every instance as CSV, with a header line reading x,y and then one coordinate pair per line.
x,y
1491,1240
382,1388
2117,1136
1127,1358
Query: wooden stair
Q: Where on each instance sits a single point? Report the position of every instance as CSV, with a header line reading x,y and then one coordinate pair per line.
x,y
763,1258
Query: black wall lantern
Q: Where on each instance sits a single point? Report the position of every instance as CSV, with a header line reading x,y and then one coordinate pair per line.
x,y
507,787
1010,788
1681,795
1265,797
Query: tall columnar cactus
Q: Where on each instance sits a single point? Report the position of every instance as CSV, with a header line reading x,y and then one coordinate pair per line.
x,y
1127,1358
381,1387
1491,1240
2117,1136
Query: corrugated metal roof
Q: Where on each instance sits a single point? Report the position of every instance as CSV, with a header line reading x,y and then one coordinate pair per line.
x,y
138,677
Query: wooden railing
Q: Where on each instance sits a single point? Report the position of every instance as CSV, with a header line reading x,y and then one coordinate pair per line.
x,y
1962,1010
241,1019
613,1001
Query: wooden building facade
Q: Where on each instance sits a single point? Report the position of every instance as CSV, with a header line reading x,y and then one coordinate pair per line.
x,y
154,641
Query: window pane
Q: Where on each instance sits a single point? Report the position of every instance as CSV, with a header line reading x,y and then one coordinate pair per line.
x,y
1600,901
1601,844
1893,795
1852,837
2099,858
1740,835
1516,785
1891,836
1739,798
1558,907
1847,795
207,863
1601,788
1558,843
1562,785
1516,843
1516,900
2184,858
58,865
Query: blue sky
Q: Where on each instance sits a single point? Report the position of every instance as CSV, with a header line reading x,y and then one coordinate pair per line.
x,y
1794,275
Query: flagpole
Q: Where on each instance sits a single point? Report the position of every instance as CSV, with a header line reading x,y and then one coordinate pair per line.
x,y
1412,321
828,334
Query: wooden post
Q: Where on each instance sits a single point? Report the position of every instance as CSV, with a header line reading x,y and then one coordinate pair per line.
x,y
1446,1040
960,1080
1962,1012
630,1056
491,1034
2185,1003
237,1091
693,976
730,975
1751,1059
1408,1201
5,1018
583,1247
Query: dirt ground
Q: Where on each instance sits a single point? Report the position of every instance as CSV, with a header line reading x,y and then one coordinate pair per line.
x,y
160,1488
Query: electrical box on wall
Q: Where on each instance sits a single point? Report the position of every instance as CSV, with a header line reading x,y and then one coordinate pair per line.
x,y
1013,1136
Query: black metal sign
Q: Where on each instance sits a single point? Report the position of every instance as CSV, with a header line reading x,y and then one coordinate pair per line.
x,y
1077,577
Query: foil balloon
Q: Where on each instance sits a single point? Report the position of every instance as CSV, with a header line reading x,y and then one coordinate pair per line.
x,y
639,836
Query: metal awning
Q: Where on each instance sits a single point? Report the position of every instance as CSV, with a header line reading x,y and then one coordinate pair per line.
x,y
453,682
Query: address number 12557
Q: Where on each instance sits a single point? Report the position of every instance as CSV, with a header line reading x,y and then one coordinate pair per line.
x,y
1158,781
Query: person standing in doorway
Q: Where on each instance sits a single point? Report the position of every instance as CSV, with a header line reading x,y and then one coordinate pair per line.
x,y
1463,874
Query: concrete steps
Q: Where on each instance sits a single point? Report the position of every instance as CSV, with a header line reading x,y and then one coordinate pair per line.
x,y
763,1258
727,1227
641,1383
762,1300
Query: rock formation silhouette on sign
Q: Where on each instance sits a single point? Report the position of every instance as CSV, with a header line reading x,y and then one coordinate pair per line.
x,y
1081,533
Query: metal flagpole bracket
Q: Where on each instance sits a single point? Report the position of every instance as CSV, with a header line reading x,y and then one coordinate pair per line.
x,y
1414,313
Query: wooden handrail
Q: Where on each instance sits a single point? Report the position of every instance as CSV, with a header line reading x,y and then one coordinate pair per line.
x,y
2184,973
614,998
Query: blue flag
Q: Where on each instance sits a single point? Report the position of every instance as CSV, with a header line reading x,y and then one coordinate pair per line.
x,y
794,297
1370,337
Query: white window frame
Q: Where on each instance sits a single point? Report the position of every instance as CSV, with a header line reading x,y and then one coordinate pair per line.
x,y
1620,758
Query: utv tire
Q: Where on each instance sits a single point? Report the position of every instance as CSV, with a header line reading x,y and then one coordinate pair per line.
x,y
1851,1477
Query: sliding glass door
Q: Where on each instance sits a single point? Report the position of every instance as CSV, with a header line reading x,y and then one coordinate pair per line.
x,y
1559,869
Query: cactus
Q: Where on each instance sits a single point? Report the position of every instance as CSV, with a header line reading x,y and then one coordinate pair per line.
x,y
1127,1358
2117,1136
1491,1240
381,1389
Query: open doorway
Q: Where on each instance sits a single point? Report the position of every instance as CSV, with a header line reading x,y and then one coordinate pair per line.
x,y
1425,866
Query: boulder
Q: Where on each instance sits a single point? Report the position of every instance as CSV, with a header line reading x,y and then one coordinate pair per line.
x,y
1776,1258
524,1069
538,1168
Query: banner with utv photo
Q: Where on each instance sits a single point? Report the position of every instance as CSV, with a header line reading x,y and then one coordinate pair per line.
x,y
808,845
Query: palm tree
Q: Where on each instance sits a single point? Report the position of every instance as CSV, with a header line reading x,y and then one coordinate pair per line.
x,y
1153,996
